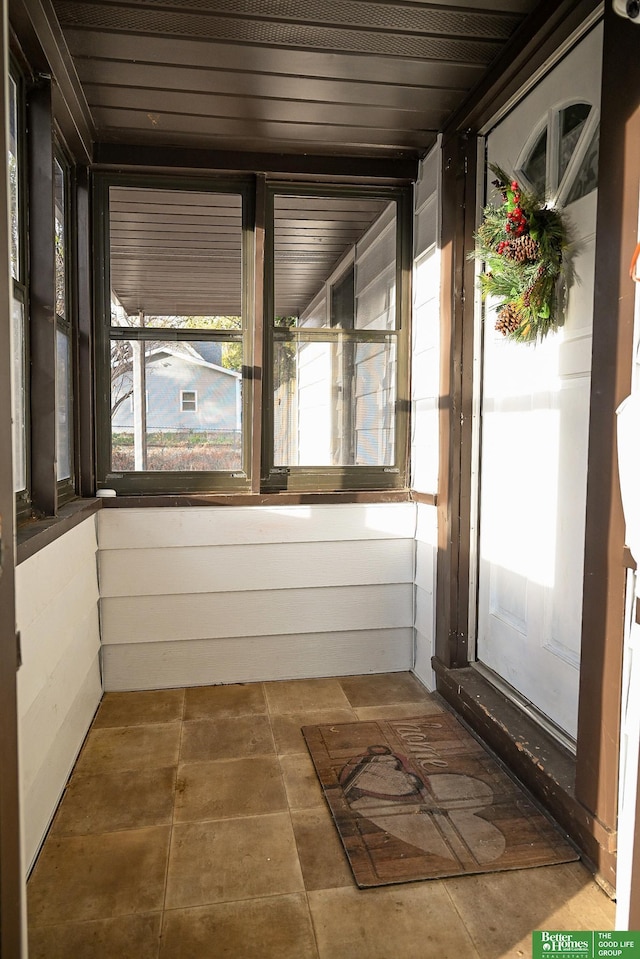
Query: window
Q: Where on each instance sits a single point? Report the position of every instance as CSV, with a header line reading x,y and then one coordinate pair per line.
x,y
178,335
177,301
337,341
561,160
19,326
64,332
189,401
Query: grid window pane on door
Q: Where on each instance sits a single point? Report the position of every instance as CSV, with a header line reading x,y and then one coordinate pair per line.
x,y
176,264
335,332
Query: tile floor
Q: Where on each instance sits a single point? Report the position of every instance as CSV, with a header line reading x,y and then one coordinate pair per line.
x,y
193,826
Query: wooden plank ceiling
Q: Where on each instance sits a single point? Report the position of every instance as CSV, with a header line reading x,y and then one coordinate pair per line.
x,y
361,80
330,77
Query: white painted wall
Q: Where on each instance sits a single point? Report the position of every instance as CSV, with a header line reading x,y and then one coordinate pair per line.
x,y
425,404
222,595
59,684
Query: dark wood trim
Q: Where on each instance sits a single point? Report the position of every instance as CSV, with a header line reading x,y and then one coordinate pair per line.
x,y
604,572
11,880
456,387
35,535
428,499
540,763
395,171
257,359
43,44
256,499
42,323
627,559
536,40
84,397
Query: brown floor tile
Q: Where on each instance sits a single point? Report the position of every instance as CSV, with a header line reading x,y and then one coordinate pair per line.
x,y
275,928
127,937
500,910
138,708
383,689
99,877
286,728
413,921
238,738
224,702
129,747
229,788
232,859
301,782
305,694
322,858
399,710
121,799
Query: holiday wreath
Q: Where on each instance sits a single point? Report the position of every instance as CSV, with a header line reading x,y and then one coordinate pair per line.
x,y
524,246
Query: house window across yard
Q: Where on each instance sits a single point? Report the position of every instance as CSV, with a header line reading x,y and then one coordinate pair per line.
x,y
189,401
177,296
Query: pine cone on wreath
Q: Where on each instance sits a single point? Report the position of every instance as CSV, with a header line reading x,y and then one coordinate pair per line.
x,y
525,248
509,319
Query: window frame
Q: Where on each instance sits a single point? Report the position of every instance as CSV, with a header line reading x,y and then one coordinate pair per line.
x,y
20,284
183,409
337,478
258,474
161,481
66,487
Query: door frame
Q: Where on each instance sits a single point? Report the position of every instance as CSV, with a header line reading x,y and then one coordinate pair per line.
x,y
11,880
595,771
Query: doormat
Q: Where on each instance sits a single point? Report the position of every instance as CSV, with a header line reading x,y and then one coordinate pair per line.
x,y
422,799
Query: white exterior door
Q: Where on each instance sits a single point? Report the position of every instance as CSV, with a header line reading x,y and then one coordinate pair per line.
x,y
535,413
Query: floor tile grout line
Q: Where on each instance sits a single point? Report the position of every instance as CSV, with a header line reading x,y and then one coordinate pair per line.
x,y
461,918
172,823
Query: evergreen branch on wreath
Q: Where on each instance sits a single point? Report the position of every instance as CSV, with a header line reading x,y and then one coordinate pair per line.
x,y
524,245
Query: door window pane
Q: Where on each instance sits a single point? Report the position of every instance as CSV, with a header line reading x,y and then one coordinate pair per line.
x,y
572,120
535,166
587,177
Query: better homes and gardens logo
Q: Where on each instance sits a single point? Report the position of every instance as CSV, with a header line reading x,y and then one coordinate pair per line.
x,y
586,945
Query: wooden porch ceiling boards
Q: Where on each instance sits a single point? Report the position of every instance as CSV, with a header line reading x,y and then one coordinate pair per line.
x,y
341,78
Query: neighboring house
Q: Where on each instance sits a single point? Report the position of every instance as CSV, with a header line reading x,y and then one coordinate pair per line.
x,y
183,392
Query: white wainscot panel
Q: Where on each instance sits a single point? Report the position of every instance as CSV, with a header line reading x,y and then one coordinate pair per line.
x,y
256,659
44,576
426,566
202,569
45,641
220,525
425,446
427,524
40,801
218,615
